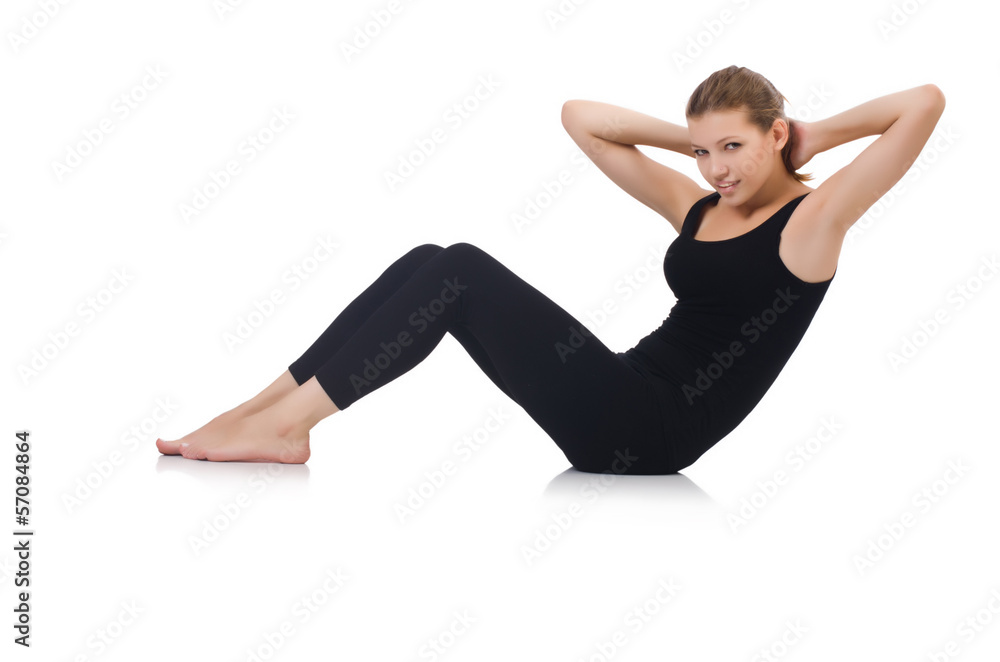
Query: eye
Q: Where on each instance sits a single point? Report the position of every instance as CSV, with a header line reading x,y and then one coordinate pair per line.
x,y
696,152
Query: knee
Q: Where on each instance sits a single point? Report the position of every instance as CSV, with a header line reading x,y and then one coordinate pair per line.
x,y
463,251
425,251
463,247
468,260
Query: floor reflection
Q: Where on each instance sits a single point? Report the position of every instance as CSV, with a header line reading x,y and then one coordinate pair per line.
x,y
256,473
671,488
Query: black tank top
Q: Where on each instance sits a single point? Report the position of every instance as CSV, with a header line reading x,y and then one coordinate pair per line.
x,y
739,315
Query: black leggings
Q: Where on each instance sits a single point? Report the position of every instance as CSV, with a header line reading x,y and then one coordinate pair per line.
x,y
600,411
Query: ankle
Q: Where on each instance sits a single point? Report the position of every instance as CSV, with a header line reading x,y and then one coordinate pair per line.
x,y
293,430
299,411
275,392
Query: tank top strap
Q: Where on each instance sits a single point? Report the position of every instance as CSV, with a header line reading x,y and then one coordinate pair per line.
x,y
767,233
687,228
785,213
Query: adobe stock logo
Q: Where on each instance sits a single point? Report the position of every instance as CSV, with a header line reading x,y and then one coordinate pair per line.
x,y
754,330
420,320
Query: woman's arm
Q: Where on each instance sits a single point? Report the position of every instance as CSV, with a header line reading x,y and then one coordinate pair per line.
x,y
608,135
868,119
628,127
905,121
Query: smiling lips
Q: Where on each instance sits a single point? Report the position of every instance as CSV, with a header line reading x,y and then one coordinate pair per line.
x,y
725,186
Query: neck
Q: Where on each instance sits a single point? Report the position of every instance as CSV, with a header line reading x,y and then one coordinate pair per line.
x,y
779,188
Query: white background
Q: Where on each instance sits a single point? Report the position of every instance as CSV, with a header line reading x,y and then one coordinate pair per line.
x,y
115,522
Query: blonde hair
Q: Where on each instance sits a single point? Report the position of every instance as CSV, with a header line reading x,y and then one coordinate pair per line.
x,y
739,88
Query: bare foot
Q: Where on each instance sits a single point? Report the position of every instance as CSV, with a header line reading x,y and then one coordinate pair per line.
x,y
277,433
215,427
222,424
260,437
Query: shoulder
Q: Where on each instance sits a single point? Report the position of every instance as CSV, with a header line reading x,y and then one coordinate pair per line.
x,y
688,203
686,198
806,206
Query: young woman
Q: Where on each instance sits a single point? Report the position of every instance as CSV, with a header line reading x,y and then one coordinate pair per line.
x,y
753,259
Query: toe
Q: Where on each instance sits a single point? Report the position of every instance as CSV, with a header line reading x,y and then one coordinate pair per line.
x,y
168,447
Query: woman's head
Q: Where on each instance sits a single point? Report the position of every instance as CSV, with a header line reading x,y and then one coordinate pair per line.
x,y
737,105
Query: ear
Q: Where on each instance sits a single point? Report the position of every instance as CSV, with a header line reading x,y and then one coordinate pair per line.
x,y
779,132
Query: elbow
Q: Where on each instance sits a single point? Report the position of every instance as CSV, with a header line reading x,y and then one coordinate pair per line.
x,y
935,95
568,112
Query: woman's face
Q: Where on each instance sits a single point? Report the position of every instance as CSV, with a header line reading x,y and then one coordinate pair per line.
x,y
729,149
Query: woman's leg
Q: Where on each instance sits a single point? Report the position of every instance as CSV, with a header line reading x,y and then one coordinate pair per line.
x,y
324,347
602,414
594,406
358,311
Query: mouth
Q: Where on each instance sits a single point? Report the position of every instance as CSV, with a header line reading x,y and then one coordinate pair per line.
x,y
727,186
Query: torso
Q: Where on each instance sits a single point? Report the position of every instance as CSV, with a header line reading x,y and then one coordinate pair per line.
x,y
808,249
